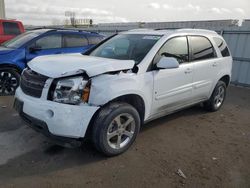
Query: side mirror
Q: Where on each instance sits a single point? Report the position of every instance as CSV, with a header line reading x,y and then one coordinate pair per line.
x,y
35,49
167,63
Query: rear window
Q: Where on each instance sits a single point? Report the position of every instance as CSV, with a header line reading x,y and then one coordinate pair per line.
x,y
222,46
93,40
74,41
11,28
201,48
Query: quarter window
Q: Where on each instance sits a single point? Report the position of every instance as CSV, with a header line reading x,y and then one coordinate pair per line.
x,y
75,41
201,48
222,46
176,47
11,28
49,42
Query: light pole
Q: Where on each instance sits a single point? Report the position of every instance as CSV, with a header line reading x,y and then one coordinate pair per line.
x,y
2,9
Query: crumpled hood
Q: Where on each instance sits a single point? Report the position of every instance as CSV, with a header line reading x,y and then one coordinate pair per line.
x,y
56,66
4,50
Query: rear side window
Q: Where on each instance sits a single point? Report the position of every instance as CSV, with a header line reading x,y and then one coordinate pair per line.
x,y
93,40
222,46
176,47
11,28
201,48
74,41
49,42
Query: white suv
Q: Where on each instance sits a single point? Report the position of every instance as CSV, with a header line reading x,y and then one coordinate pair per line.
x,y
125,81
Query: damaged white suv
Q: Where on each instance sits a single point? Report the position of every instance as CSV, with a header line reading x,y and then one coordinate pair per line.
x,y
125,81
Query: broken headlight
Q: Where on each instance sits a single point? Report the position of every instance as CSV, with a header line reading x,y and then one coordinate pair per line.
x,y
69,90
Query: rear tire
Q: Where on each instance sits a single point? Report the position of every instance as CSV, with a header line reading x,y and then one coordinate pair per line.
x,y
115,128
217,98
9,81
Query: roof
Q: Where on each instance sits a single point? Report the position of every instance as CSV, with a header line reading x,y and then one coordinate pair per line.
x,y
170,31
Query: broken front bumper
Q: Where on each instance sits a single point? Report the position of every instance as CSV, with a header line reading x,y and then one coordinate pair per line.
x,y
58,119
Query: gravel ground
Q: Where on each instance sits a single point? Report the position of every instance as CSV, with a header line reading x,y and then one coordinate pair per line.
x,y
211,149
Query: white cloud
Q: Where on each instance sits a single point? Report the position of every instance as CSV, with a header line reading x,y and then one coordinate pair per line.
x,y
154,5
167,6
239,10
46,11
189,7
225,10
47,14
216,10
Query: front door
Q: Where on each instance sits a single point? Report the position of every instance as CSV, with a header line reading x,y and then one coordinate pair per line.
x,y
173,87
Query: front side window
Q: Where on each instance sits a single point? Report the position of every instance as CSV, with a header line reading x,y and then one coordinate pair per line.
x,y
49,42
11,28
126,47
176,47
74,41
222,46
202,48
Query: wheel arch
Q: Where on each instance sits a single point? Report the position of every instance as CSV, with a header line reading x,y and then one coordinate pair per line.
x,y
134,100
12,66
226,79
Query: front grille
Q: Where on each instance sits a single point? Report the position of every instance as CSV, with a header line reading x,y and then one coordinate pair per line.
x,y
32,83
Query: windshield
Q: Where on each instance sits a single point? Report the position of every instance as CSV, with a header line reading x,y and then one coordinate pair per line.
x,y
126,47
20,40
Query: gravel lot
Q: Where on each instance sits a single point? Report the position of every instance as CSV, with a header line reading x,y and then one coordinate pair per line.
x,y
211,149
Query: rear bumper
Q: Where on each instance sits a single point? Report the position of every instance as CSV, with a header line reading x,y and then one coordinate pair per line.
x,y
55,119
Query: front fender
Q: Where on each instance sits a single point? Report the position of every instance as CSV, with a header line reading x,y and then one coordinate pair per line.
x,y
105,88
14,59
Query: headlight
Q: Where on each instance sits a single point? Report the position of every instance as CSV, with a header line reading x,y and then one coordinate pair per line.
x,y
70,90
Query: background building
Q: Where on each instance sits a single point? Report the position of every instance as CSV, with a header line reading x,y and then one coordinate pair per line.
x,y
2,9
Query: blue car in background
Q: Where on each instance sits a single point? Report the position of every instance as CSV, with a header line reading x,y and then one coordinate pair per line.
x,y
16,53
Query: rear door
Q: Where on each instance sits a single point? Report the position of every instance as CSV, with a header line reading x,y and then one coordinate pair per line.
x,y
173,87
46,45
204,59
74,43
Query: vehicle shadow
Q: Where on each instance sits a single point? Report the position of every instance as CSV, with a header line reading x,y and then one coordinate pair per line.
x,y
50,158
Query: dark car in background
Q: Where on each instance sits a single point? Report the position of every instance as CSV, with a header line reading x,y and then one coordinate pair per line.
x,y
9,29
16,53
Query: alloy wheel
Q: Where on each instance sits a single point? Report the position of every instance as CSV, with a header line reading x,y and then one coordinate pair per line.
x,y
121,131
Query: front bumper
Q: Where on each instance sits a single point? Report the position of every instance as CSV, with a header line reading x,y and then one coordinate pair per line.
x,y
63,120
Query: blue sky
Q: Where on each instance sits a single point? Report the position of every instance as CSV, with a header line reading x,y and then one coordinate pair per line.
x,y
102,11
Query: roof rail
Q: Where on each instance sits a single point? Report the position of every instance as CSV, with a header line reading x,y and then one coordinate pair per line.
x,y
167,28
140,29
196,30
63,28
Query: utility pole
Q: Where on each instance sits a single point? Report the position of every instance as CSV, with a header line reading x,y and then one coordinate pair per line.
x,y
2,9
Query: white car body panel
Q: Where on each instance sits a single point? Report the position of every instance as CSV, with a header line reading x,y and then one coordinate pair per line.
x,y
163,91
71,64
67,120
106,87
168,90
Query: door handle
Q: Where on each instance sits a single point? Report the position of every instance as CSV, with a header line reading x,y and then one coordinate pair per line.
x,y
188,71
214,64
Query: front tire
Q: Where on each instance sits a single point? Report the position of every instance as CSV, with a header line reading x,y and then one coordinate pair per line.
x,y
218,97
9,81
115,128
